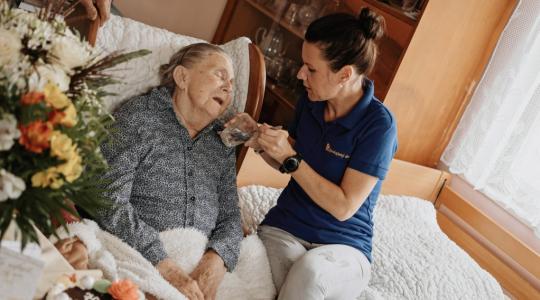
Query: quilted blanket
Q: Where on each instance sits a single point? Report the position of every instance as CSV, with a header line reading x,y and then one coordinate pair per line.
x,y
412,257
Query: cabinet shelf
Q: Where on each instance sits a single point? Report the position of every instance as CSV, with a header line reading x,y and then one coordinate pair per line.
x,y
244,17
276,18
284,97
394,11
408,75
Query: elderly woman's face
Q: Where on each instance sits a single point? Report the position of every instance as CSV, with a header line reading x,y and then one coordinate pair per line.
x,y
209,84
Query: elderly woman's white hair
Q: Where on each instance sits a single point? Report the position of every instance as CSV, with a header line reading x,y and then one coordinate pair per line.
x,y
187,56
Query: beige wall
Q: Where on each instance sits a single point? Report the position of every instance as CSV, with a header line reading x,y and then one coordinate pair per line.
x,y
198,18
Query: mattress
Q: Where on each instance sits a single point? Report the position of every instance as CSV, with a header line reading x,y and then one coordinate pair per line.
x,y
412,257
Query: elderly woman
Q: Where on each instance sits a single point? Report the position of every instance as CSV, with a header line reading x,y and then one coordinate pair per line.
x,y
169,169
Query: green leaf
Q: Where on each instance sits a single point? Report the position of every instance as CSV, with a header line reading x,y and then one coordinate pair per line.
x,y
102,285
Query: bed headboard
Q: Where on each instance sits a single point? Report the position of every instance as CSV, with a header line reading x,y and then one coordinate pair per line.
x,y
404,178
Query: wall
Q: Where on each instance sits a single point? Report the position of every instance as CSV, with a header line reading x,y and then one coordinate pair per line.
x,y
445,59
195,18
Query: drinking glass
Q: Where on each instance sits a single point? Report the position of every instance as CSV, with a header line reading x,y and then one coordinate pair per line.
x,y
239,131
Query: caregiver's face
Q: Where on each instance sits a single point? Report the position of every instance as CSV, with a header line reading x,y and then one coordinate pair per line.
x,y
209,84
320,81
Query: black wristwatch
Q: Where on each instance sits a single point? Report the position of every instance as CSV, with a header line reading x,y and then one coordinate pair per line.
x,y
291,163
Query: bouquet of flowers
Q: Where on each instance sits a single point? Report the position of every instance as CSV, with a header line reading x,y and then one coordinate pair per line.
x,y
86,287
51,120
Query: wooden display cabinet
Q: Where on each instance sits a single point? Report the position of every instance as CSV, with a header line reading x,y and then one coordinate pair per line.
x,y
245,17
427,70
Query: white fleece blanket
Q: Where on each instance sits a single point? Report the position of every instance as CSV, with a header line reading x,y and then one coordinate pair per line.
x,y
251,279
412,257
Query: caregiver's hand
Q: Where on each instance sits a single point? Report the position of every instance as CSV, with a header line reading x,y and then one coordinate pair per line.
x,y
179,279
97,8
275,142
209,274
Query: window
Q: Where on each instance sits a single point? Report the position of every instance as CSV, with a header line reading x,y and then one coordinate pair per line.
x,y
496,146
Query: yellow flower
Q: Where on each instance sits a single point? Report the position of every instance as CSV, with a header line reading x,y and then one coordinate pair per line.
x,y
48,178
70,118
71,169
62,146
55,97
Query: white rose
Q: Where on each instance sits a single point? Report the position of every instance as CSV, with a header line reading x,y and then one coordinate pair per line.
x,y
10,47
11,186
69,52
8,131
87,282
46,73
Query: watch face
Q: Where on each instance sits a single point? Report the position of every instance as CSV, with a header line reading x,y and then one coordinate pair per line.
x,y
291,164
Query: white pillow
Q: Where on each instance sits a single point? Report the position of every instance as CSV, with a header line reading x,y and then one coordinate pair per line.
x,y
255,201
140,74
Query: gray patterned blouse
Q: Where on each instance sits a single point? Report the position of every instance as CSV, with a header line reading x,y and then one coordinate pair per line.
x,y
161,179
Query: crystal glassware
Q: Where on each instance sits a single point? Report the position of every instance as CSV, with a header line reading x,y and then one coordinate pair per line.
x,y
239,130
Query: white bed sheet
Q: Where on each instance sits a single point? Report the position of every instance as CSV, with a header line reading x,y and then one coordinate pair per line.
x,y
412,257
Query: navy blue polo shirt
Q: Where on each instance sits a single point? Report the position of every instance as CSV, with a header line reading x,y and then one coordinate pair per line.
x,y
365,140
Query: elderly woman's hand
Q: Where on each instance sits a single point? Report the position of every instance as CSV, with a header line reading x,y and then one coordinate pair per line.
x,y
93,6
275,142
209,274
74,251
179,279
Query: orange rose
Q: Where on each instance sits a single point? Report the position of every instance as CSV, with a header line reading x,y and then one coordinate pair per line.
x,y
56,116
35,136
32,98
124,290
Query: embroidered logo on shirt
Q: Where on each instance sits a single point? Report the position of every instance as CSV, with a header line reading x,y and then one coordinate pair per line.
x,y
334,152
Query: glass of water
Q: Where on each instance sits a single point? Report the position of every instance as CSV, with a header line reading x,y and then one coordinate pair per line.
x,y
239,130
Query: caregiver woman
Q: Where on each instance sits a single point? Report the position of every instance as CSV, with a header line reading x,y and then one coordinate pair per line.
x,y
318,236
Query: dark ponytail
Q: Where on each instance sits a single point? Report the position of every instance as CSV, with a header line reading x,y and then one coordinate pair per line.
x,y
348,40
371,23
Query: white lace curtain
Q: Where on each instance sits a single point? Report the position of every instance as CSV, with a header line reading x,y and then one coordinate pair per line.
x,y
496,146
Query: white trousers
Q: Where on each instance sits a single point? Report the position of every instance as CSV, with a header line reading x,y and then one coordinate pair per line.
x,y
303,270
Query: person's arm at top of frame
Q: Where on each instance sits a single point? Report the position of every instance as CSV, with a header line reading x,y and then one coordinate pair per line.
x,y
97,9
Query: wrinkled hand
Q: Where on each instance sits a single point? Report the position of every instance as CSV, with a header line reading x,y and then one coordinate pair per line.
x,y
275,142
97,8
74,251
209,274
179,279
